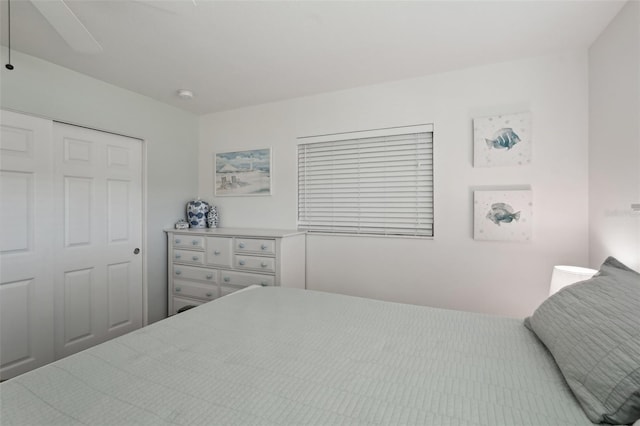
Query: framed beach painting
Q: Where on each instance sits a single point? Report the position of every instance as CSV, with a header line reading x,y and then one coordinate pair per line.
x,y
502,140
502,215
239,173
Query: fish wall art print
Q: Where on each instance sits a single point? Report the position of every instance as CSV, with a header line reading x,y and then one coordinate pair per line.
x,y
502,140
503,215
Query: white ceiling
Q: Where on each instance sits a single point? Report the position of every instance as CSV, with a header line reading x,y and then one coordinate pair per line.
x,y
238,53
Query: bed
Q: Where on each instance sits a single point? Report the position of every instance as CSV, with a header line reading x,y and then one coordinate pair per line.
x,y
272,355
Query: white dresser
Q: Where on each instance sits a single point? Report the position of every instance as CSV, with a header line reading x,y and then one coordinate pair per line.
x,y
205,264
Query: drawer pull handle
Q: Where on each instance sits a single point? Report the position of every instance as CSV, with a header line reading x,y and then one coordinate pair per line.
x,y
216,252
195,257
177,240
209,276
194,242
209,294
178,289
241,245
178,271
178,256
263,247
263,264
226,279
241,263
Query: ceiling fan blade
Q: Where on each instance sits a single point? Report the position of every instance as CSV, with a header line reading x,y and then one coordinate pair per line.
x,y
175,7
67,24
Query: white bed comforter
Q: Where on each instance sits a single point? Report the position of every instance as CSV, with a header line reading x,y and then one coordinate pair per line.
x,y
285,356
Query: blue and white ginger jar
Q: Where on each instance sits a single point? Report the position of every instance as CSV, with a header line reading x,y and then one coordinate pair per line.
x,y
197,213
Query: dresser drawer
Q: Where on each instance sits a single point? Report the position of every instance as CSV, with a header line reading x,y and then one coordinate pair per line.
x,y
242,279
228,289
188,256
254,245
219,251
267,264
188,241
194,289
179,303
194,273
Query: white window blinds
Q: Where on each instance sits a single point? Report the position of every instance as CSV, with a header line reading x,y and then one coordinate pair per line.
x,y
377,182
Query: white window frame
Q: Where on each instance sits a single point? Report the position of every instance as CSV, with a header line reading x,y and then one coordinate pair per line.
x,y
390,218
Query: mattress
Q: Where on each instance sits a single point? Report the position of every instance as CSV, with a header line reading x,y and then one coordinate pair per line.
x,y
286,356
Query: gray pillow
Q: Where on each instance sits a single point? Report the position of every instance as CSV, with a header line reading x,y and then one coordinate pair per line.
x,y
592,329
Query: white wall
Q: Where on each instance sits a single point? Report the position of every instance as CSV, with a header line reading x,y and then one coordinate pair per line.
x,y
452,270
42,88
614,140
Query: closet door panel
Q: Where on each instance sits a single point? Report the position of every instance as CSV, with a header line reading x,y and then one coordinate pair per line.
x,y
79,295
15,321
100,177
119,309
78,211
26,286
17,208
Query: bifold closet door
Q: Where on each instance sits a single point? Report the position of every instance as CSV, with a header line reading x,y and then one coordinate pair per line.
x,y
70,240
98,265
26,235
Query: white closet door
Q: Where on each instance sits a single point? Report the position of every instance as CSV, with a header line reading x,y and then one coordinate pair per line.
x,y
26,234
98,202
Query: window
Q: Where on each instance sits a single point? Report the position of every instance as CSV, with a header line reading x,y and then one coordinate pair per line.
x,y
377,182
